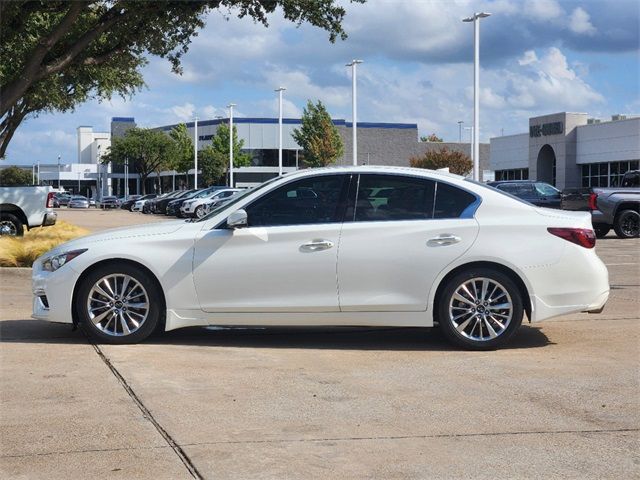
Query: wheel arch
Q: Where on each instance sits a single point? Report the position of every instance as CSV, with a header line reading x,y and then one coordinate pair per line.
x,y
512,274
15,210
118,261
635,206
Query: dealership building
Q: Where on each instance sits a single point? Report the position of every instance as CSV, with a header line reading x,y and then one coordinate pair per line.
x,y
569,150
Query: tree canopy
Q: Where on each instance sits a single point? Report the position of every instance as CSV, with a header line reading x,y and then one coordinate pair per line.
x,y
12,176
213,160
57,54
456,161
147,151
184,154
431,138
318,136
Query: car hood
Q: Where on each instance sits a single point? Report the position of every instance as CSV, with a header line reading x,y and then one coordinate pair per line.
x,y
162,228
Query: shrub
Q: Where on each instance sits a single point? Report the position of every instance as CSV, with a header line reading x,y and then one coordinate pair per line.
x,y
456,161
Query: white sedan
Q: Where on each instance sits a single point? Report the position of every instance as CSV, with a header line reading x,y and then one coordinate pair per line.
x,y
368,246
197,207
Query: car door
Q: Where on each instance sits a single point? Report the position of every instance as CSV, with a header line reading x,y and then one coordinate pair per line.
x,y
402,232
284,260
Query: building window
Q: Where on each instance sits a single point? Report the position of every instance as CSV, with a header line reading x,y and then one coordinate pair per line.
x,y
513,174
606,174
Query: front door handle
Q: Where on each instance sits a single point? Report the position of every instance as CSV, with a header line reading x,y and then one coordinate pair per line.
x,y
316,246
442,240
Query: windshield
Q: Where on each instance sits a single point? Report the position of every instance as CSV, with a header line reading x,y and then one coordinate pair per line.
x,y
236,198
546,189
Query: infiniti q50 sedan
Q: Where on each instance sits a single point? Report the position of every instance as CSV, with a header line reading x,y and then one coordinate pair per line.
x,y
356,246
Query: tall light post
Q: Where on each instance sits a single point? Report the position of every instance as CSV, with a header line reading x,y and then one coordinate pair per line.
x,y
100,174
280,90
460,122
476,90
126,178
354,106
230,107
195,154
58,172
471,137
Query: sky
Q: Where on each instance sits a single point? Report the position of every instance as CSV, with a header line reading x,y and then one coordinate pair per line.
x,y
537,57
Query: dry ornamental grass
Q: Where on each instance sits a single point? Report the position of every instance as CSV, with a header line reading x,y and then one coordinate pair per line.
x,y
22,251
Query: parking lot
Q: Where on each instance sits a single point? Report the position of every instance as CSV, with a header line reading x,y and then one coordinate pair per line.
x,y
563,401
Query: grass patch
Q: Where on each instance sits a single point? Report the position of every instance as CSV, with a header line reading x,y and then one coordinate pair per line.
x,y
22,251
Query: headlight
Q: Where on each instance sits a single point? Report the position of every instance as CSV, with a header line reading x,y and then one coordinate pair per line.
x,y
52,264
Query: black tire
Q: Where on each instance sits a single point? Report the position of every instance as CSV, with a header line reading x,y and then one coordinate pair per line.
x,y
445,301
601,230
10,225
627,224
155,302
199,212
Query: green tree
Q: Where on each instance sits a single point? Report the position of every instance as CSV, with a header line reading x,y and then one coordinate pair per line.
x,y
213,165
147,151
431,138
12,176
318,136
56,54
457,161
217,153
183,159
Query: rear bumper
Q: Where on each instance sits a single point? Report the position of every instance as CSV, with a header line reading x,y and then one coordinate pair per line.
x,y
599,218
50,218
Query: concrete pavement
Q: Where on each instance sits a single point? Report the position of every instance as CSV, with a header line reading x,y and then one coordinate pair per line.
x,y
561,402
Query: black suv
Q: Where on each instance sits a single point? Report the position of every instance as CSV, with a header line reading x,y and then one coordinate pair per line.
x,y
539,193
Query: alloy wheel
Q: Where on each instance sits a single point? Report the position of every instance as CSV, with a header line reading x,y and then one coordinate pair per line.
x,y
8,228
118,305
630,225
480,309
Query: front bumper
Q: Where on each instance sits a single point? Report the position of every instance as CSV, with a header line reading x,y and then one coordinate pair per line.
x,y
52,293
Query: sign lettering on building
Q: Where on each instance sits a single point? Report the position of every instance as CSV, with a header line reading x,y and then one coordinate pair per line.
x,y
554,128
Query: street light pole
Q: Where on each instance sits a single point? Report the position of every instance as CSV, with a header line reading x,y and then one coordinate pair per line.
x,y
230,106
471,137
195,154
280,90
476,90
126,178
354,106
460,122
58,172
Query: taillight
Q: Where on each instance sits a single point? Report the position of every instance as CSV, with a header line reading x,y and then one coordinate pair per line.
x,y
50,198
580,236
593,197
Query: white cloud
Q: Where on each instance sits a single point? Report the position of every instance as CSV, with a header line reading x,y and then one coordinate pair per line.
x,y
543,9
580,22
528,58
183,112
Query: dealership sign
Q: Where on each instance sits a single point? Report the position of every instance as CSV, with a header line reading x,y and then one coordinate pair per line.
x,y
555,128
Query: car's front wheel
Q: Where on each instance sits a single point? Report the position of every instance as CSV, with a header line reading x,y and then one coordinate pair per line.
x,y
200,211
119,303
480,309
627,224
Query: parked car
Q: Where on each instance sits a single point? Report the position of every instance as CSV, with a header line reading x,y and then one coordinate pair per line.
x,y
612,207
128,203
78,201
538,193
219,200
441,250
173,207
139,204
197,207
61,199
109,202
160,205
25,207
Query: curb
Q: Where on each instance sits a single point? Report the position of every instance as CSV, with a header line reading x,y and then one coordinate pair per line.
x,y
14,269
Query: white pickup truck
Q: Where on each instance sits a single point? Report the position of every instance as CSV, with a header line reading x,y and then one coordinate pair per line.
x,y
28,207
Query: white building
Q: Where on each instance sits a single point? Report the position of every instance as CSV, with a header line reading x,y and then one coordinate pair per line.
x,y
569,150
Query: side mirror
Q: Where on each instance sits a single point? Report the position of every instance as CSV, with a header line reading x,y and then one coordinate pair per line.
x,y
237,219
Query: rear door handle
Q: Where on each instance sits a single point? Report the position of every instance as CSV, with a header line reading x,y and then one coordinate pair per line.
x,y
316,246
442,240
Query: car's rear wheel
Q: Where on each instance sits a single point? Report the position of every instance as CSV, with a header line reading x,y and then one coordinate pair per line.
x,y
627,224
119,303
601,230
480,309
10,225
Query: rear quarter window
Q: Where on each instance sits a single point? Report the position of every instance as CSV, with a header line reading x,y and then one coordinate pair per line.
x,y
452,202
